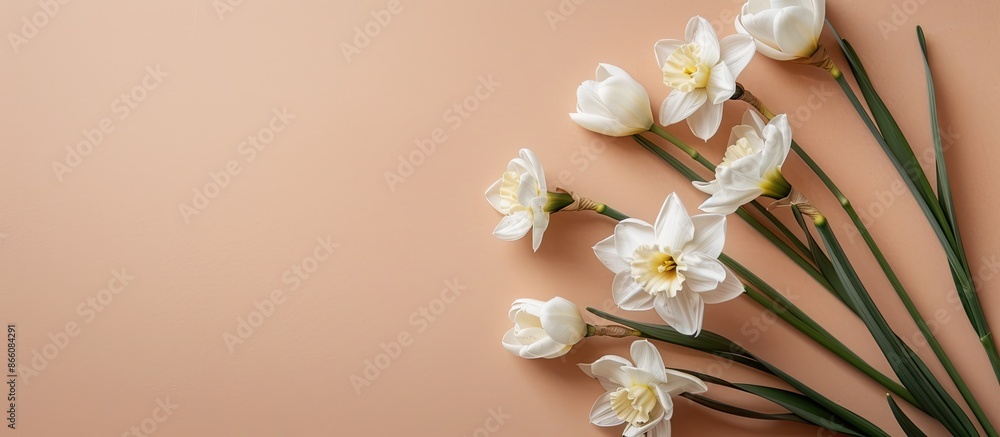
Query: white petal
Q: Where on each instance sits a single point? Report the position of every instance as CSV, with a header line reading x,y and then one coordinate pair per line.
x,y
819,15
673,226
664,48
589,102
628,102
710,187
661,429
628,295
647,358
563,322
511,343
535,166
683,312
605,71
709,234
493,196
601,414
545,348
793,32
606,252
608,370
704,123
540,222
727,201
600,124
679,106
514,226
737,51
699,31
680,382
777,142
630,234
530,306
727,290
721,84
751,118
701,272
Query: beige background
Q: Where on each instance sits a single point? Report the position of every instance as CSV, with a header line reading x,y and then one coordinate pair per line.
x,y
162,338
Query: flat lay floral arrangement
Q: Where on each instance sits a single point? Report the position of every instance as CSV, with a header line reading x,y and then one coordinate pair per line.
x,y
676,264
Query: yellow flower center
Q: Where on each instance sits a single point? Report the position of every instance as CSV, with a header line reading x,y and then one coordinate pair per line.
x,y
684,70
736,151
633,404
655,271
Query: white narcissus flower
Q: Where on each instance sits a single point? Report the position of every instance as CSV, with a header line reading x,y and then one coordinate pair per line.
x,y
639,395
544,329
520,195
783,29
614,104
702,71
752,165
672,265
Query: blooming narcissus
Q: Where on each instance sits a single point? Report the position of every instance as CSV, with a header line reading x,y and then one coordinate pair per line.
x,y
639,395
520,195
614,104
671,266
783,29
702,72
544,329
751,166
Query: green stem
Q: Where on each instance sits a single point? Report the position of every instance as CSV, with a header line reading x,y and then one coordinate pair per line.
x,y
793,316
610,212
697,156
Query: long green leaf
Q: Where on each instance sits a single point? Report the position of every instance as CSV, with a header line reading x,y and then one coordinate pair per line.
x,y
803,408
908,367
741,412
908,426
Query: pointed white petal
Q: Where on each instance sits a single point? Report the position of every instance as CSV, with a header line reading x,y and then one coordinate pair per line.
x,y
680,382
661,429
721,84
511,343
683,312
727,290
601,414
673,226
727,201
648,358
793,31
709,234
701,272
679,106
664,48
628,295
704,123
699,31
600,124
514,226
493,196
630,234
737,51
545,348
563,322
606,252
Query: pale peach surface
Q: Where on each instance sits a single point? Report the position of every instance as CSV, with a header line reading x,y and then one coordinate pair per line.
x,y
392,248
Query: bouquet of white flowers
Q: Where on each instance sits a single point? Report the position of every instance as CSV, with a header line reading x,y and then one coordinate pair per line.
x,y
676,264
